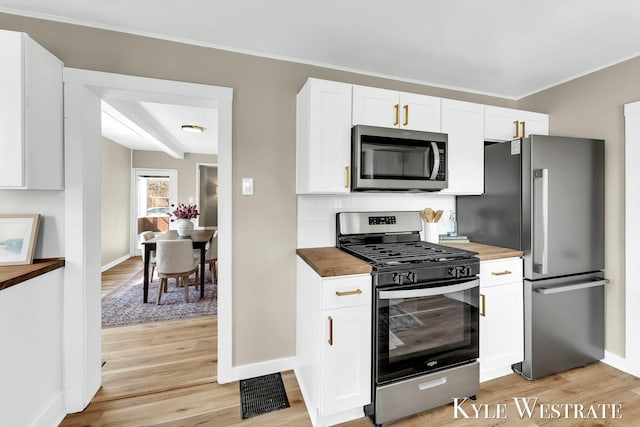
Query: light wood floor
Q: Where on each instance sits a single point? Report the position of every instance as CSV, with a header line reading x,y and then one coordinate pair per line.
x,y
115,276
164,374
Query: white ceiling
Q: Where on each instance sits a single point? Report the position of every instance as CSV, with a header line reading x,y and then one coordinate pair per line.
x,y
155,126
501,47
506,48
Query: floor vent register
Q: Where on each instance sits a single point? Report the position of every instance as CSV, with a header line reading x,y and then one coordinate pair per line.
x,y
263,394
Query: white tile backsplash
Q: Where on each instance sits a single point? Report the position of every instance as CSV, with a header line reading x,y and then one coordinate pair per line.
x,y
317,213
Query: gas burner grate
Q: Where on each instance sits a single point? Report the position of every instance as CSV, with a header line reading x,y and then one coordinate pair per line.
x,y
406,252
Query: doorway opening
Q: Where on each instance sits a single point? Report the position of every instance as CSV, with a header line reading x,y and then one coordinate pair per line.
x,y
84,91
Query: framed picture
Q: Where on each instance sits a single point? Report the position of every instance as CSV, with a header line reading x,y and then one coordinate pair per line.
x,y
18,234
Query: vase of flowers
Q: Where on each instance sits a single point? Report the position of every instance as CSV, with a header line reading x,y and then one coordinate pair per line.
x,y
184,214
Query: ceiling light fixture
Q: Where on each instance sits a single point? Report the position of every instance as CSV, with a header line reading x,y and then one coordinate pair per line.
x,y
192,128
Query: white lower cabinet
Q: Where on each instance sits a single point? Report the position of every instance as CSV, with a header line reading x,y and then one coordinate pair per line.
x,y
346,384
501,317
333,345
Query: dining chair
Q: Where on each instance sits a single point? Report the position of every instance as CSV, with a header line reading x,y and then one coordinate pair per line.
x,y
174,259
143,237
211,258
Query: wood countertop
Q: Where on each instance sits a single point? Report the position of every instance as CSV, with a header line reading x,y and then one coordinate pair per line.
x,y
329,262
14,274
487,252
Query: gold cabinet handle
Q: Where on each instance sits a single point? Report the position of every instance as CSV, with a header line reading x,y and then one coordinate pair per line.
x,y
330,330
516,123
347,181
406,115
347,293
522,126
500,273
397,109
483,306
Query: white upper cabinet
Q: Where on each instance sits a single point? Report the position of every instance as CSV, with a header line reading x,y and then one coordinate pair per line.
x,y
464,123
327,110
500,124
388,108
505,124
533,123
31,115
323,138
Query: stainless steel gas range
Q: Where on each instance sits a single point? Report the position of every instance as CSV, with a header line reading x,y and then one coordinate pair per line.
x,y
425,313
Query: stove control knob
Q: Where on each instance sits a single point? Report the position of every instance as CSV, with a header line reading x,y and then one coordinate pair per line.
x,y
459,271
404,277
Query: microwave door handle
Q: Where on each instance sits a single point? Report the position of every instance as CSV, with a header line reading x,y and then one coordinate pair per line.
x,y
428,292
436,161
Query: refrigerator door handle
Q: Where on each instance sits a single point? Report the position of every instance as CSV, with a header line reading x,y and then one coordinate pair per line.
x,y
543,266
436,161
574,287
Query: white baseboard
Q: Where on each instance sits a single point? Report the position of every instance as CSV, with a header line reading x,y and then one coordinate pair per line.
x,y
621,363
615,361
243,372
114,263
53,414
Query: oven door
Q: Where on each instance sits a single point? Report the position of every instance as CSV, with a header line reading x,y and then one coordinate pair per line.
x,y
425,327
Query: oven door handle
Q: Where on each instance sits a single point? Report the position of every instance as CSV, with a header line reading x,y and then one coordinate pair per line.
x,y
428,292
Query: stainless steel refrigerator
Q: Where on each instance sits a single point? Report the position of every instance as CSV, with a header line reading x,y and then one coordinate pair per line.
x,y
544,195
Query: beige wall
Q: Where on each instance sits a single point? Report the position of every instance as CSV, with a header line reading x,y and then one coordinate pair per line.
x,y
116,201
592,106
264,234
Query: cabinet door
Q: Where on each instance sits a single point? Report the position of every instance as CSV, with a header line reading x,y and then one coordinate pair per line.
x,y
346,359
11,110
534,123
43,118
463,122
31,119
419,112
499,123
376,107
501,329
323,138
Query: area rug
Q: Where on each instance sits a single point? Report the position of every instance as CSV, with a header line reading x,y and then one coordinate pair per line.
x,y
123,306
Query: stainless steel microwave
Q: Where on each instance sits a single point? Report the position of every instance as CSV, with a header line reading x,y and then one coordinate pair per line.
x,y
388,159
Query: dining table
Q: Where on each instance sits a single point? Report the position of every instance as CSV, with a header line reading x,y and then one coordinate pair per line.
x,y
200,238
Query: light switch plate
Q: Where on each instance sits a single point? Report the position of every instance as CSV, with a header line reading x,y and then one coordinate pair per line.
x,y
247,186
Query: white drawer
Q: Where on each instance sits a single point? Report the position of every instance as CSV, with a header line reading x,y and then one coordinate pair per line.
x,y
496,272
346,291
